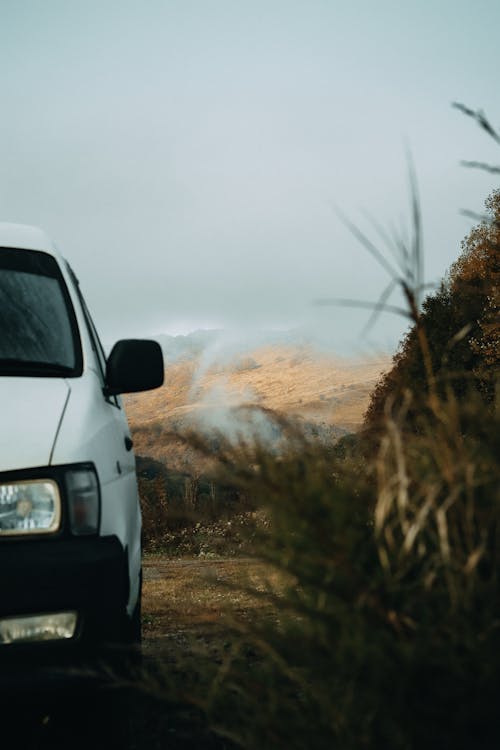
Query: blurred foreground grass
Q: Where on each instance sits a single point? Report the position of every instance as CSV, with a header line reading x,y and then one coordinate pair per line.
x,y
384,631
369,616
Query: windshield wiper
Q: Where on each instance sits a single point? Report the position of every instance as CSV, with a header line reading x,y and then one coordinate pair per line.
x,y
11,366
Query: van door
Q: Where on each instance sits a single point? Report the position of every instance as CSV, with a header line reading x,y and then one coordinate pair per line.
x,y
111,446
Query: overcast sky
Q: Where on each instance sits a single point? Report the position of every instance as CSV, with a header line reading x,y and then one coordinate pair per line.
x,y
186,155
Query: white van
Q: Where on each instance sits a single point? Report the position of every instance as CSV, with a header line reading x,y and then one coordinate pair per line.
x,y
70,523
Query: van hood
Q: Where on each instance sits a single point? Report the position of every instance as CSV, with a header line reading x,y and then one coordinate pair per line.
x,y
31,410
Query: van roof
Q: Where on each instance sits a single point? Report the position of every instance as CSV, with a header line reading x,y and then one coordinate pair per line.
x,y
24,237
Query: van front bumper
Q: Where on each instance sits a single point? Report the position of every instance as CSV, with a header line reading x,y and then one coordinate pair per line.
x,y
88,576
85,575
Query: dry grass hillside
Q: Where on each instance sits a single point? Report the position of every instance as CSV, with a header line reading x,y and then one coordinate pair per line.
x,y
326,392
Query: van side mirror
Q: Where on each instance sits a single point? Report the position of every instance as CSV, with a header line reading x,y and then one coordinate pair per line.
x,y
134,365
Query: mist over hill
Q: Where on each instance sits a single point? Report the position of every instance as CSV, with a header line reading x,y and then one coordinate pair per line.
x,y
224,381
228,342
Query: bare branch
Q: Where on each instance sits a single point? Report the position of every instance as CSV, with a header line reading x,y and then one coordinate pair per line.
x,y
417,252
481,165
480,118
368,245
330,301
382,302
474,215
401,245
393,243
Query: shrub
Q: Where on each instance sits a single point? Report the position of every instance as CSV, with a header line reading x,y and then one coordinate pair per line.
x,y
460,324
388,634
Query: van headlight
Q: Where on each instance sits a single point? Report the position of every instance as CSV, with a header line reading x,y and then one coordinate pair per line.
x,y
69,498
30,506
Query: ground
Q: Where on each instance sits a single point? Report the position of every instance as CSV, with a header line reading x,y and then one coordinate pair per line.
x,y
188,608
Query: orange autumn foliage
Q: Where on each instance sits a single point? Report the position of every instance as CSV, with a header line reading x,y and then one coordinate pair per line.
x,y
461,325
478,271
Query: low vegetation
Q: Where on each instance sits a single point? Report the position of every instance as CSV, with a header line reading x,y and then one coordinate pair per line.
x,y
385,629
390,634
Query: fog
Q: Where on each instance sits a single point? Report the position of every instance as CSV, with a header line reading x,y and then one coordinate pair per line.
x,y
187,156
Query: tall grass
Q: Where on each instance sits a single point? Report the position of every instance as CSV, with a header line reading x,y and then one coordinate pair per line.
x,y
389,634
386,628
386,633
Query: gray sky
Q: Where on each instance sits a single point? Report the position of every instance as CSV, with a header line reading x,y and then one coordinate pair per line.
x,y
185,155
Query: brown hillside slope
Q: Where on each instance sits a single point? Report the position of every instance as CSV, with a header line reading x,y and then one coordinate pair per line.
x,y
295,381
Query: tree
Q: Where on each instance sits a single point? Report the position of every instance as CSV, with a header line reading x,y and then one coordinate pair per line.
x,y
461,327
476,275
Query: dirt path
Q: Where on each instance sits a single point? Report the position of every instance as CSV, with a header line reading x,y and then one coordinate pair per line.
x,y
197,596
191,609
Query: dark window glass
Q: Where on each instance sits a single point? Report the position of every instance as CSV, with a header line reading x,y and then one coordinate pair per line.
x,y
38,334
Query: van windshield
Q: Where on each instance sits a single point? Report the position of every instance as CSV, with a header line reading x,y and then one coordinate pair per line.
x,y
38,333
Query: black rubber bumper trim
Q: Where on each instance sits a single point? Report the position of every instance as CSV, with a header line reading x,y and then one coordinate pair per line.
x,y
88,575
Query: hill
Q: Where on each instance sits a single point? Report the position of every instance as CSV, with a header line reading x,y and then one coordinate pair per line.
x,y
206,384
